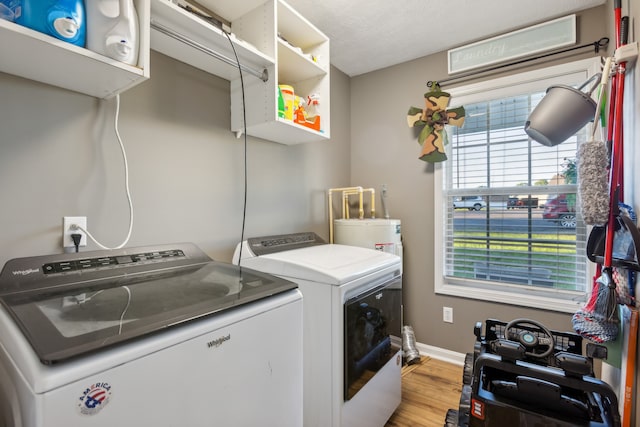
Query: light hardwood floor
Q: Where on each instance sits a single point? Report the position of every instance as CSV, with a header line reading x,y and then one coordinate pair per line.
x,y
429,388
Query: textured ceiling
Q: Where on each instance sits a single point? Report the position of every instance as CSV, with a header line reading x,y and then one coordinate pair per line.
x,y
368,35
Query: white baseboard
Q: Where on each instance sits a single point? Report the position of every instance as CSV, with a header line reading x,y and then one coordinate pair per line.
x,y
441,354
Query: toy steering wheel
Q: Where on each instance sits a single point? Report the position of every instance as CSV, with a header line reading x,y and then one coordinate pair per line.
x,y
529,340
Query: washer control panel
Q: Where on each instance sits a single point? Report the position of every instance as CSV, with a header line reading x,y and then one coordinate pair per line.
x,y
110,261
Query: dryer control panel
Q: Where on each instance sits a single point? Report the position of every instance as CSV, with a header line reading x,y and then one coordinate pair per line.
x,y
283,242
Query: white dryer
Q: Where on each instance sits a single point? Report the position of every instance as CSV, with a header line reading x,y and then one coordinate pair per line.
x,y
154,336
352,311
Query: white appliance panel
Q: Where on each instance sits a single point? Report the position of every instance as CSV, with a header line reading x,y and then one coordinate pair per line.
x,y
240,367
328,275
378,400
330,264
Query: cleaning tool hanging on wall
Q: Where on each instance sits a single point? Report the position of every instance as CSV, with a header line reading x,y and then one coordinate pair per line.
x,y
626,240
112,29
593,168
62,19
598,320
433,118
625,281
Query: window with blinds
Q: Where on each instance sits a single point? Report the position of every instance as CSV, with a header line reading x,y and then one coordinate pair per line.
x,y
510,218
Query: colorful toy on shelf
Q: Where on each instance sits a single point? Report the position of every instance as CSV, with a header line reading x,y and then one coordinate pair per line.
x,y
298,114
280,104
288,96
309,117
313,101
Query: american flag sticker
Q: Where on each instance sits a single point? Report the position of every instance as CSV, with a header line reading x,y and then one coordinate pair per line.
x,y
94,398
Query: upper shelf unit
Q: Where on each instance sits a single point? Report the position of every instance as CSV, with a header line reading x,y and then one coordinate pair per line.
x,y
273,43
40,57
299,41
302,62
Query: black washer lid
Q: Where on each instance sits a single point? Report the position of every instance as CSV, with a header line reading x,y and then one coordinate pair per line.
x,y
66,309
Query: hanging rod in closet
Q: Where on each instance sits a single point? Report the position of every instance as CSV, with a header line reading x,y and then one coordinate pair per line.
x,y
261,74
597,45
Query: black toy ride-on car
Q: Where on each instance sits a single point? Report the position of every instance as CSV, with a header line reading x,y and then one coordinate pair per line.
x,y
523,374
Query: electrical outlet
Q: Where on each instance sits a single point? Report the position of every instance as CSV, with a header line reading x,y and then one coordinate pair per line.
x,y
447,314
68,223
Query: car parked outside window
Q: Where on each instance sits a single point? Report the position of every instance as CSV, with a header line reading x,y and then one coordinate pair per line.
x,y
561,211
473,203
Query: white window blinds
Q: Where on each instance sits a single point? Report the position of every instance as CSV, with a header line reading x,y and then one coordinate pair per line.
x,y
510,219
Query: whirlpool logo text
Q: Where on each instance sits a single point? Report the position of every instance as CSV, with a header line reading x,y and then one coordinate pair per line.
x,y
25,272
218,342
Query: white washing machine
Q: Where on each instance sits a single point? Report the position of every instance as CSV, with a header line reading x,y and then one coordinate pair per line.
x,y
352,315
152,336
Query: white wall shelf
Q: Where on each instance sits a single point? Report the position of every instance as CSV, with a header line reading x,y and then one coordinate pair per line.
x,y
40,57
255,27
296,41
292,66
259,30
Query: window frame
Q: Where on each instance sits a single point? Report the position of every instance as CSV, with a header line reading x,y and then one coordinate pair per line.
x,y
512,294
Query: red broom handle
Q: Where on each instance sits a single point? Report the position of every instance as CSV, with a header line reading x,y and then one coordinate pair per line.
x,y
612,101
616,169
615,175
623,38
617,19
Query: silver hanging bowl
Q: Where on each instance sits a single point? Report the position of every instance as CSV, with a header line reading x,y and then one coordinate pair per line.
x,y
562,112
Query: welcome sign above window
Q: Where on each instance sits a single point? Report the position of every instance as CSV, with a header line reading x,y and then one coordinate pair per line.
x,y
538,38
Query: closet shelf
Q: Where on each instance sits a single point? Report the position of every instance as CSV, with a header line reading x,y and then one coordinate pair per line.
x,y
190,39
40,57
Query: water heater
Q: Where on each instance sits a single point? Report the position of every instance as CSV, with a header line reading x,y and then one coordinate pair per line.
x,y
380,234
